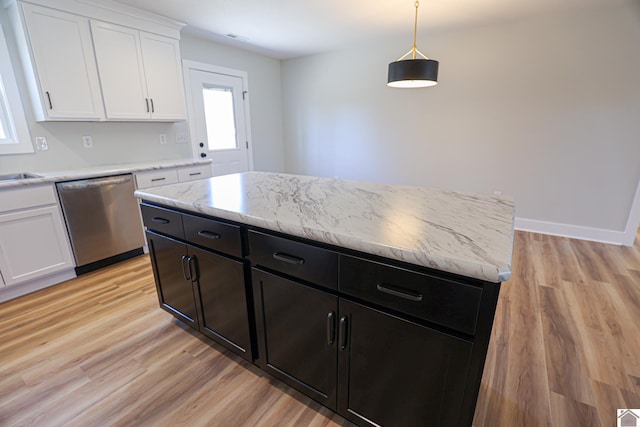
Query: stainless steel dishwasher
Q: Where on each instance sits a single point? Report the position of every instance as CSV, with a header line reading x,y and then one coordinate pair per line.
x,y
103,220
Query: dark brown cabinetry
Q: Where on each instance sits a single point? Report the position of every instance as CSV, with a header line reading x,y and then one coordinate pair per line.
x,y
381,342
204,289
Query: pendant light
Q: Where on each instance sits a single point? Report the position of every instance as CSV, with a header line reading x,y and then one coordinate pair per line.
x,y
414,72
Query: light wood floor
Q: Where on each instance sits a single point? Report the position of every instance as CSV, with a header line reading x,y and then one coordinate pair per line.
x,y
98,351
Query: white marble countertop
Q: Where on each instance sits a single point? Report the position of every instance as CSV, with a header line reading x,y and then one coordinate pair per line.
x,y
461,233
98,171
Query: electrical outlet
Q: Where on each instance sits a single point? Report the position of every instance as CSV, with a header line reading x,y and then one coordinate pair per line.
x,y
182,138
41,143
87,141
163,138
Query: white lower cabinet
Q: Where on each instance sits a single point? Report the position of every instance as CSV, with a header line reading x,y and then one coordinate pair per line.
x,y
33,241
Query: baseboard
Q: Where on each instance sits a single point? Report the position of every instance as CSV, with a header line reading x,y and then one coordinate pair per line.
x,y
573,231
15,291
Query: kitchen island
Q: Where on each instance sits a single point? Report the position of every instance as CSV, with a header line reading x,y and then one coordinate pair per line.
x,y
375,300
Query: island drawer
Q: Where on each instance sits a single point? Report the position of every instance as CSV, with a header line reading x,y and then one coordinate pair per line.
x,y
439,300
162,220
213,234
300,260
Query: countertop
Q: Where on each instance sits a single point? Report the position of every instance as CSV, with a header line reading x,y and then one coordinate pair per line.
x,y
461,233
98,171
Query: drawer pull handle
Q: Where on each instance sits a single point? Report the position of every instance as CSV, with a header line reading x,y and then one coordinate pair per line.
x,y
209,235
160,220
185,261
158,179
400,293
194,271
195,174
343,333
288,258
331,328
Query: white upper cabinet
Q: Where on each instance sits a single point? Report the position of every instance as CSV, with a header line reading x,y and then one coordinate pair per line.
x,y
86,60
140,73
65,84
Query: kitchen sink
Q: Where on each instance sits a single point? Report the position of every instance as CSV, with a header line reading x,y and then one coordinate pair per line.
x,y
18,176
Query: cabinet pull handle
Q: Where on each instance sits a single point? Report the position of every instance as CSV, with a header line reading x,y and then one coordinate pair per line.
x,y
158,179
160,220
184,268
49,99
399,292
153,110
146,100
195,174
288,258
194,271
331,328
209,234
343,332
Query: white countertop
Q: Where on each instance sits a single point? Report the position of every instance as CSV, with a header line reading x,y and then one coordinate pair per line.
x,y
98,171
461,233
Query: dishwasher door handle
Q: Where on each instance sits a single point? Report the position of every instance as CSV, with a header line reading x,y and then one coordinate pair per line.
x,y
93,183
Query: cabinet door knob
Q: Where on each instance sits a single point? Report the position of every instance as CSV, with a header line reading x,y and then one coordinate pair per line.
x,y
194,271
331,328
344,329
49,99
203,154
185,261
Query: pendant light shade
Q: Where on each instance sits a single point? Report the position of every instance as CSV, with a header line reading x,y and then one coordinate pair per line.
x,y
414,72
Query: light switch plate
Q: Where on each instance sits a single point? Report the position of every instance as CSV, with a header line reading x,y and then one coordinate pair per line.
x,y
182,138
163,138
87,141
41,143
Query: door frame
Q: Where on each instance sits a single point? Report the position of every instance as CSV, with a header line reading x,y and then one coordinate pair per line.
x,y
187,66
633,220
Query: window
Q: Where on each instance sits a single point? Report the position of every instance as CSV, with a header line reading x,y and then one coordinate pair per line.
x,y
219,118
14,133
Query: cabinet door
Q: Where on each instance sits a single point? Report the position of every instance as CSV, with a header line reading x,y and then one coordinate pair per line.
x,y
397,373
65,64
121,71
224,318
170,268
297,335
163,72
33,244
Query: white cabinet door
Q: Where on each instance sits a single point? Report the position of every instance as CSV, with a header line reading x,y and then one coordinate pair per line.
x,y
33,244
64,65
140,73
121,70
163,71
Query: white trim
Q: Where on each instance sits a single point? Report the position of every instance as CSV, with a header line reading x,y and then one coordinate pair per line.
x,y
633,222
200,66
571,231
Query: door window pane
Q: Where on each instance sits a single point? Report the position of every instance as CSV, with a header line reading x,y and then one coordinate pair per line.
x,y
219,118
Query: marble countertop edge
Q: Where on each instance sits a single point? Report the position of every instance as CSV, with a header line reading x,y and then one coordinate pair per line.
x,y
448,264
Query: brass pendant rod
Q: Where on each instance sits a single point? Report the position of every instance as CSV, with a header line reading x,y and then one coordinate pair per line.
x,y
415,30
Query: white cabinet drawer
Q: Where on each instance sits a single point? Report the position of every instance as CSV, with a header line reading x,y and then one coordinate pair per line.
x,y
24,197
194,172
156,177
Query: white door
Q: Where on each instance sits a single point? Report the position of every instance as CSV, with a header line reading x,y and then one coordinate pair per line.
x,y
161,58
63,56
218,119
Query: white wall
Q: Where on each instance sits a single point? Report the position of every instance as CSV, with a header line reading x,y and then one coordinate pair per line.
x,y
546,109
265,94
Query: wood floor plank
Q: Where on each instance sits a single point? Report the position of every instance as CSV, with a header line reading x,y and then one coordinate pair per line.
x,y
97,350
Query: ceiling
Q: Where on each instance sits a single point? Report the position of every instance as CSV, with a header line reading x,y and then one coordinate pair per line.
x,y
289,28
